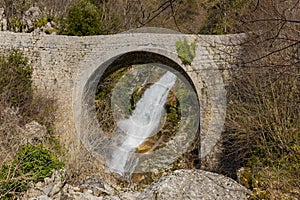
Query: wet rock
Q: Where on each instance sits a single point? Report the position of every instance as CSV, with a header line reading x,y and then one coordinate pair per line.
x,y
195,184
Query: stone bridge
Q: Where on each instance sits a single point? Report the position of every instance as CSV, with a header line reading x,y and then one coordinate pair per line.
x,y
64,66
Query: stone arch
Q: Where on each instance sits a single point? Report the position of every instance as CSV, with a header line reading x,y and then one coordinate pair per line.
x,y
108,66
97,66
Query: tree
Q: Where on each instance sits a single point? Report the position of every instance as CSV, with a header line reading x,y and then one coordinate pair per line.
x,y
83,19
222,15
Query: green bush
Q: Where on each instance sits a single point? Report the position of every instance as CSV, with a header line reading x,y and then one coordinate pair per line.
x,y
15,79
31,164
83,19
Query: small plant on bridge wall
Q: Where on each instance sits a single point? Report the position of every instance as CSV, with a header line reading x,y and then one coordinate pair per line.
x,y
186,51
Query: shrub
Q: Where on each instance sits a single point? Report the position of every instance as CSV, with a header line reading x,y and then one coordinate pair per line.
x,y
16,89
15,79
262,127
31,164
42,22
18,106
83,19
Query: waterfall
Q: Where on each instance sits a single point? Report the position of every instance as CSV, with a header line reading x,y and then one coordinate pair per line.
x,y
144,121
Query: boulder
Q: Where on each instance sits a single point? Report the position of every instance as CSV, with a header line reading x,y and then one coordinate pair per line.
x,y
33,13
195,184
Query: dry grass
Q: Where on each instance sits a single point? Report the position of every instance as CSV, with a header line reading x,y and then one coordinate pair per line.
x,y
263,129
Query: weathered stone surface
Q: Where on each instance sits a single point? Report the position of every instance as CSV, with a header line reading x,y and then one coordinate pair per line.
x,y
195,184
33,13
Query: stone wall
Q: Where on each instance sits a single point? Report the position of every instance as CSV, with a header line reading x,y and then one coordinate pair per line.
x,y
62,66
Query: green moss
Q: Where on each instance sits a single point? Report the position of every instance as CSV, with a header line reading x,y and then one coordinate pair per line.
x,y
186,51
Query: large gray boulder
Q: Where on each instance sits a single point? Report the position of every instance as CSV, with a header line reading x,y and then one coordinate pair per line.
x,y
195,184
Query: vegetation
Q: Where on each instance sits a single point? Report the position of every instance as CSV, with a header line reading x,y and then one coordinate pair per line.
x,y
15,81
222,15
16,89
31,164
103,100
262,124
186,51
22,163
83,19
262,130
105,17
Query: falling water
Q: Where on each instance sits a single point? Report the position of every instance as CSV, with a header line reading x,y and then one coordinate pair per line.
x,y
144,121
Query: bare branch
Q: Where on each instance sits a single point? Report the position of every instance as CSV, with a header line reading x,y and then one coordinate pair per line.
x,y
173,15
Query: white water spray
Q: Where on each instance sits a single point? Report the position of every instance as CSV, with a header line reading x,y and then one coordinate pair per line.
x,y
144,121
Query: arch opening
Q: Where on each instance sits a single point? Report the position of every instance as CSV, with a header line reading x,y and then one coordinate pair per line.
x,y
164,98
